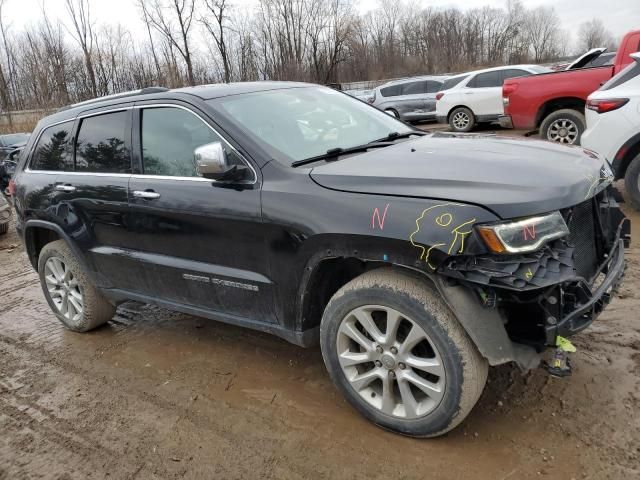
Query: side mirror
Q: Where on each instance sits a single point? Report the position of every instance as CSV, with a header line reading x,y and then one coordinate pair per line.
x,y
212,162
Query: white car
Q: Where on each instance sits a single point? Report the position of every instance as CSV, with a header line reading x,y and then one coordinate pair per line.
x,y
476,97
613,126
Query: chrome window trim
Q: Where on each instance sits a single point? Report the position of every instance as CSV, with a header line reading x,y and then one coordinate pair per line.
x,y
35,144
182,107
63,172
28,168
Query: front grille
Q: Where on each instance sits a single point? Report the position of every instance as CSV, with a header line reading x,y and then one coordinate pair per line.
x,y
582,237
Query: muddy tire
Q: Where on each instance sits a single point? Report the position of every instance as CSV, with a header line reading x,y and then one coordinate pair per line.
x,y
69,291
399,356
632,182
462,120
563,126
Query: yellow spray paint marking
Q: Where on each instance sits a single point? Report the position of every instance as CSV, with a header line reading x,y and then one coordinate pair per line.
x,y
443,220
529,274
565,345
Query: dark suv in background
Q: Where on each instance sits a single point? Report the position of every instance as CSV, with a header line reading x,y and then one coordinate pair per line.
x,y
415,260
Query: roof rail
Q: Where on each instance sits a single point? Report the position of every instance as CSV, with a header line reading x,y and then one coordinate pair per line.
x,y
142,91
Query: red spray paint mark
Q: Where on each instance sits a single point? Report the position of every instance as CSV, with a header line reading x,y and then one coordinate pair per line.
x,y
530,232
376,217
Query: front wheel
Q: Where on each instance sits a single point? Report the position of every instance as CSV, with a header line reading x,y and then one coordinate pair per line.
x,y
563,126
399,356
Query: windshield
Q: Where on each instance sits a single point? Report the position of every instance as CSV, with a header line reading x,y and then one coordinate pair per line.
x,y
15,138
299,123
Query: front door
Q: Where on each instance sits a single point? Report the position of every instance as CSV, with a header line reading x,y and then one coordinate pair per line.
x,y
198,242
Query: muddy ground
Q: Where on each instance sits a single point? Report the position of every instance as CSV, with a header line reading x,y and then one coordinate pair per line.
x,y
156,394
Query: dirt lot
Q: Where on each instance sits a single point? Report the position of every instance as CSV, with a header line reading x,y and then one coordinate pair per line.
x,y
156,394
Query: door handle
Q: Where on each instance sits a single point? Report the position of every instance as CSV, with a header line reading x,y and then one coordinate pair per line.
x,y
146,194
65,188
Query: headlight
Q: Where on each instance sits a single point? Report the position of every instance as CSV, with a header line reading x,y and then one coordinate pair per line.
x,y
523,235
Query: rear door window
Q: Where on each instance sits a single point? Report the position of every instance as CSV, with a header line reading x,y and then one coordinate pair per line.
x,y
52,151
101,146
487,79
414,88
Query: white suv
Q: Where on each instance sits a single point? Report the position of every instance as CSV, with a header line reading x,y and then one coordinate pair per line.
x,y
476,97
613,126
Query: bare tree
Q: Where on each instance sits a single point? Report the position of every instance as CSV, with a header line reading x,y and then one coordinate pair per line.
x,y
593,34
80,13
218,31
541,29
160,16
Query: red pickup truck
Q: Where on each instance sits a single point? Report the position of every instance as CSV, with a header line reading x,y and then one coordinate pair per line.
x,y
554,102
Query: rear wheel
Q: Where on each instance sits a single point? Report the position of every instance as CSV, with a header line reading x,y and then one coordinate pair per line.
x,y
68,290
399,356
563,126
462,120
632,182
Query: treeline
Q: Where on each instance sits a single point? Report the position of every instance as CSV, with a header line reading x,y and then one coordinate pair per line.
x,y
189,42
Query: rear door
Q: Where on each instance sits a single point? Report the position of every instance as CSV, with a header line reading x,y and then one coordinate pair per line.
x,y
92,201
413,101
433,87
483,94
197,242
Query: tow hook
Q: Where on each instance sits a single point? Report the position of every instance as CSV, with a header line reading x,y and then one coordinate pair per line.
x,y
560,365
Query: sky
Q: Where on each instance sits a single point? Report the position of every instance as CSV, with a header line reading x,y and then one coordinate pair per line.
x,y
619,16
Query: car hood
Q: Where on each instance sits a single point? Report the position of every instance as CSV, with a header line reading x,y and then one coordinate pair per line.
x,y
585,58
511,177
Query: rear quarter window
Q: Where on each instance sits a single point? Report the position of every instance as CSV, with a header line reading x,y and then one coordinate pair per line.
x,y
392,91
52,151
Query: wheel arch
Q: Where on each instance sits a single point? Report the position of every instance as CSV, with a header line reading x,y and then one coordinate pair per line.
x,y
324,277
625,154
452,109
550,106
38,233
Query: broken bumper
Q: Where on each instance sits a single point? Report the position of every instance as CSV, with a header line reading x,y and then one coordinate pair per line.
x,y
590,300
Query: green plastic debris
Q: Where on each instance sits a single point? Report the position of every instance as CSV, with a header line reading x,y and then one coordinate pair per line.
x,y
565,345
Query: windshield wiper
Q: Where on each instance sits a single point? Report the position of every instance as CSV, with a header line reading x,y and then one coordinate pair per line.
x,y
396,136
334,153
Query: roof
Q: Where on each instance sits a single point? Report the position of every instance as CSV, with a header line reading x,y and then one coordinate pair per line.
x,y
203,92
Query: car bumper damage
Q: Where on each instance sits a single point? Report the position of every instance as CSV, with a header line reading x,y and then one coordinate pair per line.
x,y
540,298
505,121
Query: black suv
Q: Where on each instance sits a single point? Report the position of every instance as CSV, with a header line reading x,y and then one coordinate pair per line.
x,y
415,260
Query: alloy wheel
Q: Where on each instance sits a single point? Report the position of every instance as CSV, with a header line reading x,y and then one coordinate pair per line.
x,y
390,361
63,289
461,120
564,131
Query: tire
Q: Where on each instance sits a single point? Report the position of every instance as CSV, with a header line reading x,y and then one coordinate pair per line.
x,y
632,182
4,228
94,310
392,112
563,126
457,369
462,120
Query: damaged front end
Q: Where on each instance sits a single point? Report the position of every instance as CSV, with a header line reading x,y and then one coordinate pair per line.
x,y
559,289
